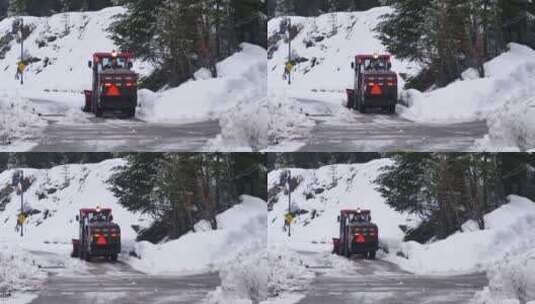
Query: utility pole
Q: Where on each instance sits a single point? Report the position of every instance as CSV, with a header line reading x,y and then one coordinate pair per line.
x,y
289,201
21,183
289,49
22,51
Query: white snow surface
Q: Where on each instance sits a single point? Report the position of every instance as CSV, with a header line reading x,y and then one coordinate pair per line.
x,y
241,80
241,227
508,230
512,280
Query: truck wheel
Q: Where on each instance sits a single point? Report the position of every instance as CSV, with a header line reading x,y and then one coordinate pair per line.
x,y
98,112
362,109
132,112
371,255
113,257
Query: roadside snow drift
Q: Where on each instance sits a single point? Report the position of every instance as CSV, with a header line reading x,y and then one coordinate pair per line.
x,y
241,79
243,226
508,231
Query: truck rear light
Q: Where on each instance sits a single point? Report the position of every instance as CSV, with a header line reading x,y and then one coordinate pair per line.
x,y
359,238
129,84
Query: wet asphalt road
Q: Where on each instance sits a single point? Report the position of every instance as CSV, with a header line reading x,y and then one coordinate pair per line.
x,y
381,282
108,134
118,283
112,134
381,132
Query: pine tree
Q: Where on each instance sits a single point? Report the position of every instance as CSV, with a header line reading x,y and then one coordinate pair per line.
x,y
16,8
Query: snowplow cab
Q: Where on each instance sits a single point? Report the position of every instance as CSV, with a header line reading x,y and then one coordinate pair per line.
x,y
375,84
358,235
114,84
98,235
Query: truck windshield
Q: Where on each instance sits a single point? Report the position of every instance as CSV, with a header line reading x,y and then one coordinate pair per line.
x,y
115,63
375,64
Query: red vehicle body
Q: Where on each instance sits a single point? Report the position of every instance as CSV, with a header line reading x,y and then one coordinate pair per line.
x,y
114,86
375,85
98,235
358,235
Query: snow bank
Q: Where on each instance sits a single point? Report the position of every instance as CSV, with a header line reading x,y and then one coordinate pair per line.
x,y
511,281
240,227
512,128
508,230
241,79
18,121
326,191
269,123
510,77
18,270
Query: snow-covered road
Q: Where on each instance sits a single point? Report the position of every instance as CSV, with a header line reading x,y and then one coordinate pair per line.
x,y
342,130
381,282
88,133
105,282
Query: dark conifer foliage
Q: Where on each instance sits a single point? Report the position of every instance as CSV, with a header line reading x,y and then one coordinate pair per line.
x,y
448,189
180,189
450,36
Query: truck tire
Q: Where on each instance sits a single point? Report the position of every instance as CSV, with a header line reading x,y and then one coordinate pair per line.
x,y
371,255
131,112
98,112
113,257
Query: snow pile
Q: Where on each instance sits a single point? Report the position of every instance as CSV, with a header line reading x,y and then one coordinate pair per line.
x,y
510,78
18,271
261,275
325,46
18,121
241,79
508,229
54,199
277,120
511,281
240,227
512,127
318,199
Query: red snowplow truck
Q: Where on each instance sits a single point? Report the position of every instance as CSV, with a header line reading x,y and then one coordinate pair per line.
x,y
98,235
114,85
375,85
358,235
